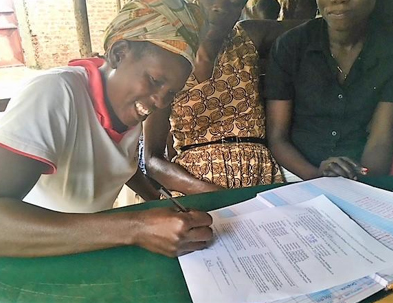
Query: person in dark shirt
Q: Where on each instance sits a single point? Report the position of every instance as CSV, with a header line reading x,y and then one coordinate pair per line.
x,y
330,93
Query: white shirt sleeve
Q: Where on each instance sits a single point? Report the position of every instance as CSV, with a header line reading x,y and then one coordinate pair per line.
x,y
36,121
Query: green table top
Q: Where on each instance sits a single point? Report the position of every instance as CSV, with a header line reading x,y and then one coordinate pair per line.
x,y
127,274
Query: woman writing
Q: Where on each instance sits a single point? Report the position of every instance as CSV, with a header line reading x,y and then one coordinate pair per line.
x,y
68,143
330,93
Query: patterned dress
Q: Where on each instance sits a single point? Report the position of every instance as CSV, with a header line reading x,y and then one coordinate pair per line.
x,y
225,105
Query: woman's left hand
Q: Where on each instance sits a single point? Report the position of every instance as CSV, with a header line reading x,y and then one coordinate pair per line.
x,y
341,166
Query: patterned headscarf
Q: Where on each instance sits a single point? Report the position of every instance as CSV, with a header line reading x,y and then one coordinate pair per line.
x,y
170,24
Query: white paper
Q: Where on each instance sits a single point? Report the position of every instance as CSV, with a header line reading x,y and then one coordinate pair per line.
x,y
242,208
370,207
276,253
351,292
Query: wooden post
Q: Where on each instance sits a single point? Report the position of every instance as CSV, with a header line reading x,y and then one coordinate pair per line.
x,y
118,4
82,28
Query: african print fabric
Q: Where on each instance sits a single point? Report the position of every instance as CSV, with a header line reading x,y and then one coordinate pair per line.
x,y
170,24
225,105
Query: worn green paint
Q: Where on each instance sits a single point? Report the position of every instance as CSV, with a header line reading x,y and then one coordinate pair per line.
x,y
127,274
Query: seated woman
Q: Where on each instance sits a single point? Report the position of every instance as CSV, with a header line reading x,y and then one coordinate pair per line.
x,y
218,120
330,93
68,143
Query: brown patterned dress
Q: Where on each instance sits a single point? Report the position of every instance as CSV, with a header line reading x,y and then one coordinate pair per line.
x,y
225,105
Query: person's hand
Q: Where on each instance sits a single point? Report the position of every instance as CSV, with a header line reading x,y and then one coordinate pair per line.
x,y
172,233
341,166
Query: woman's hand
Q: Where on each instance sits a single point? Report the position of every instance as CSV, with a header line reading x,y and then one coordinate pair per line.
x,y
341,166
172,233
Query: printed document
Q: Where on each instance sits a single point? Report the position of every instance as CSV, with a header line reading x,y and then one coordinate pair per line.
x,y
351,292
277,253
370,207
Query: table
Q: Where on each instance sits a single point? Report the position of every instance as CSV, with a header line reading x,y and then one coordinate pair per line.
x,y
119,275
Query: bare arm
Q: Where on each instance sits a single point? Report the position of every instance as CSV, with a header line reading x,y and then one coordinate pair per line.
x,y
377,156
206,58
209,49
279,117
171,175
378,153
29,231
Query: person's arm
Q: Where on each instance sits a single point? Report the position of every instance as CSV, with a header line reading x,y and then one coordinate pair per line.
x,y
141,185
278,125
31,231
169,174
206,57
378,153
278,116
209,49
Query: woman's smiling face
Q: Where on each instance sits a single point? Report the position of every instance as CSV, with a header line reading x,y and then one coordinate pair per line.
x,y
139,83
345,14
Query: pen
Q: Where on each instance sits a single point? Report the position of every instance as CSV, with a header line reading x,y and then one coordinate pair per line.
x,y
166,193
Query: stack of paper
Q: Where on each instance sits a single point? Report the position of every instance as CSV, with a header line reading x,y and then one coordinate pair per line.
x,y
370,207
293,253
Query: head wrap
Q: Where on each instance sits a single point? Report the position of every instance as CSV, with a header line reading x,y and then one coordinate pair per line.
x,y
170,24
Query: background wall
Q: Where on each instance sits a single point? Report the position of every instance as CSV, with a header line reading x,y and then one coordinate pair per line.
x,y
48,30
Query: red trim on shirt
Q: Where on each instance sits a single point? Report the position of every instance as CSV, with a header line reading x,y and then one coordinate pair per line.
x,y
52,167
97,91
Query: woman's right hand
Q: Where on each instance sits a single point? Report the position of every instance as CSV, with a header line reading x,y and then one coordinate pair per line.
x,y
172,233
341,166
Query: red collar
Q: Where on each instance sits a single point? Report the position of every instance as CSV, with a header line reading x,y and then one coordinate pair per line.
x,y
97,93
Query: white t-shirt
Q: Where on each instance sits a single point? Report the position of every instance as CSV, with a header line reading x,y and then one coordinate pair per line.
x,y
60,118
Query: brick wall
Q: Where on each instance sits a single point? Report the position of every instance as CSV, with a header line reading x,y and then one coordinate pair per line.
x,y
48,29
